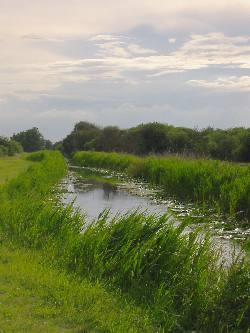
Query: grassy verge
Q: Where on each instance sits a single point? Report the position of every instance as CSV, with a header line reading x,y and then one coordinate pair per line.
x,y
10,167
38,298
36,295
223,185
173,279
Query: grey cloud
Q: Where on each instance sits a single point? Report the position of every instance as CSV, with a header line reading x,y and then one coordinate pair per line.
x,y
116,63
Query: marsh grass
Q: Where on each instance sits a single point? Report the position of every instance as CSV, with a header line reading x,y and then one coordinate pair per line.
x,y
223,185
174,278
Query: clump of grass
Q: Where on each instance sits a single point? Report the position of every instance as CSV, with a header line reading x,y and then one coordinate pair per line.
x,y
174,277
112,161
224,185
96,177
177,277
37,156
149,259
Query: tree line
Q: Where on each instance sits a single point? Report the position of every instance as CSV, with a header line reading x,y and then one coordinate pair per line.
x,y
29,141
152,138
156,138
32,140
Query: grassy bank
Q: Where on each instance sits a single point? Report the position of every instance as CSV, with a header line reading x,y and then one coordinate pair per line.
x,y
10,167
225,186
172,279
36,294
36,297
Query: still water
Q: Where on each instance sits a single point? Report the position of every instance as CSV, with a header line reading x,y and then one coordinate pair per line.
x,y
94,191
94,197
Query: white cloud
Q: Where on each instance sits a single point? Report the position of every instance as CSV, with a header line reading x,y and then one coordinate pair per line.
x,y
119,46
201,51
104,38
118,58
231,83
172,40
138,50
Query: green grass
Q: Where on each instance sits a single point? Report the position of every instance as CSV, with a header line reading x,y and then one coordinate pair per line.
x,y
35,297
96,177
10,167
246,246
224,186
174,276
173,279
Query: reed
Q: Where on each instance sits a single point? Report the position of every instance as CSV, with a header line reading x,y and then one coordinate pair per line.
x,y
223,185
174,277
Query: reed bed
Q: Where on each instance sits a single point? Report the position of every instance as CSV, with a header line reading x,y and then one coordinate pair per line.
x,y
174,278
224,186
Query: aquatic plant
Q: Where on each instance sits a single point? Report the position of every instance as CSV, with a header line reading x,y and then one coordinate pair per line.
x,y
225,186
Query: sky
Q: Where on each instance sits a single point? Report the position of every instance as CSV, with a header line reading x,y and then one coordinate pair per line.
x,y
113,62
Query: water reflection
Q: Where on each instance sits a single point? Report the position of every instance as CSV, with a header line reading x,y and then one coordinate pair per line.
x,y
93,197
109,191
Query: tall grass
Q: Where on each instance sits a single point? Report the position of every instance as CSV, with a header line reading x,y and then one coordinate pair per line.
x,y
224,185
172,276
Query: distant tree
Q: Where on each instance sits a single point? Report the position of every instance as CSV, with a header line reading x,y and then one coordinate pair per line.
x,y
3,151
221,145
58,146
242,151
14,148
110,139
79,139
179,140
31,140
48,144
231,144
152,138
9,147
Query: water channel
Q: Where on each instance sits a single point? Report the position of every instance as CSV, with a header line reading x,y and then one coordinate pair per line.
x,y
95,190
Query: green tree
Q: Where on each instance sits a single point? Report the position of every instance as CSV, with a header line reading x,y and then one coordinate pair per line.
x,y
83,133
31,140
152,138
110,139
242,151
9,147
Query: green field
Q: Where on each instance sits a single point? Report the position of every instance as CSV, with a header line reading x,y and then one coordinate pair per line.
x,y
10,167
135,273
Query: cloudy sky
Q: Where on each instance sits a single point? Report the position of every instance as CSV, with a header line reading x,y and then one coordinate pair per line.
x,y
117,62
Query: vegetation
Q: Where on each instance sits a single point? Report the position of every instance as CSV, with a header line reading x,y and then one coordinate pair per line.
x,y
36,294
36,297
10,167
224,185
173,278
32,140
96,177
9,147
232,144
